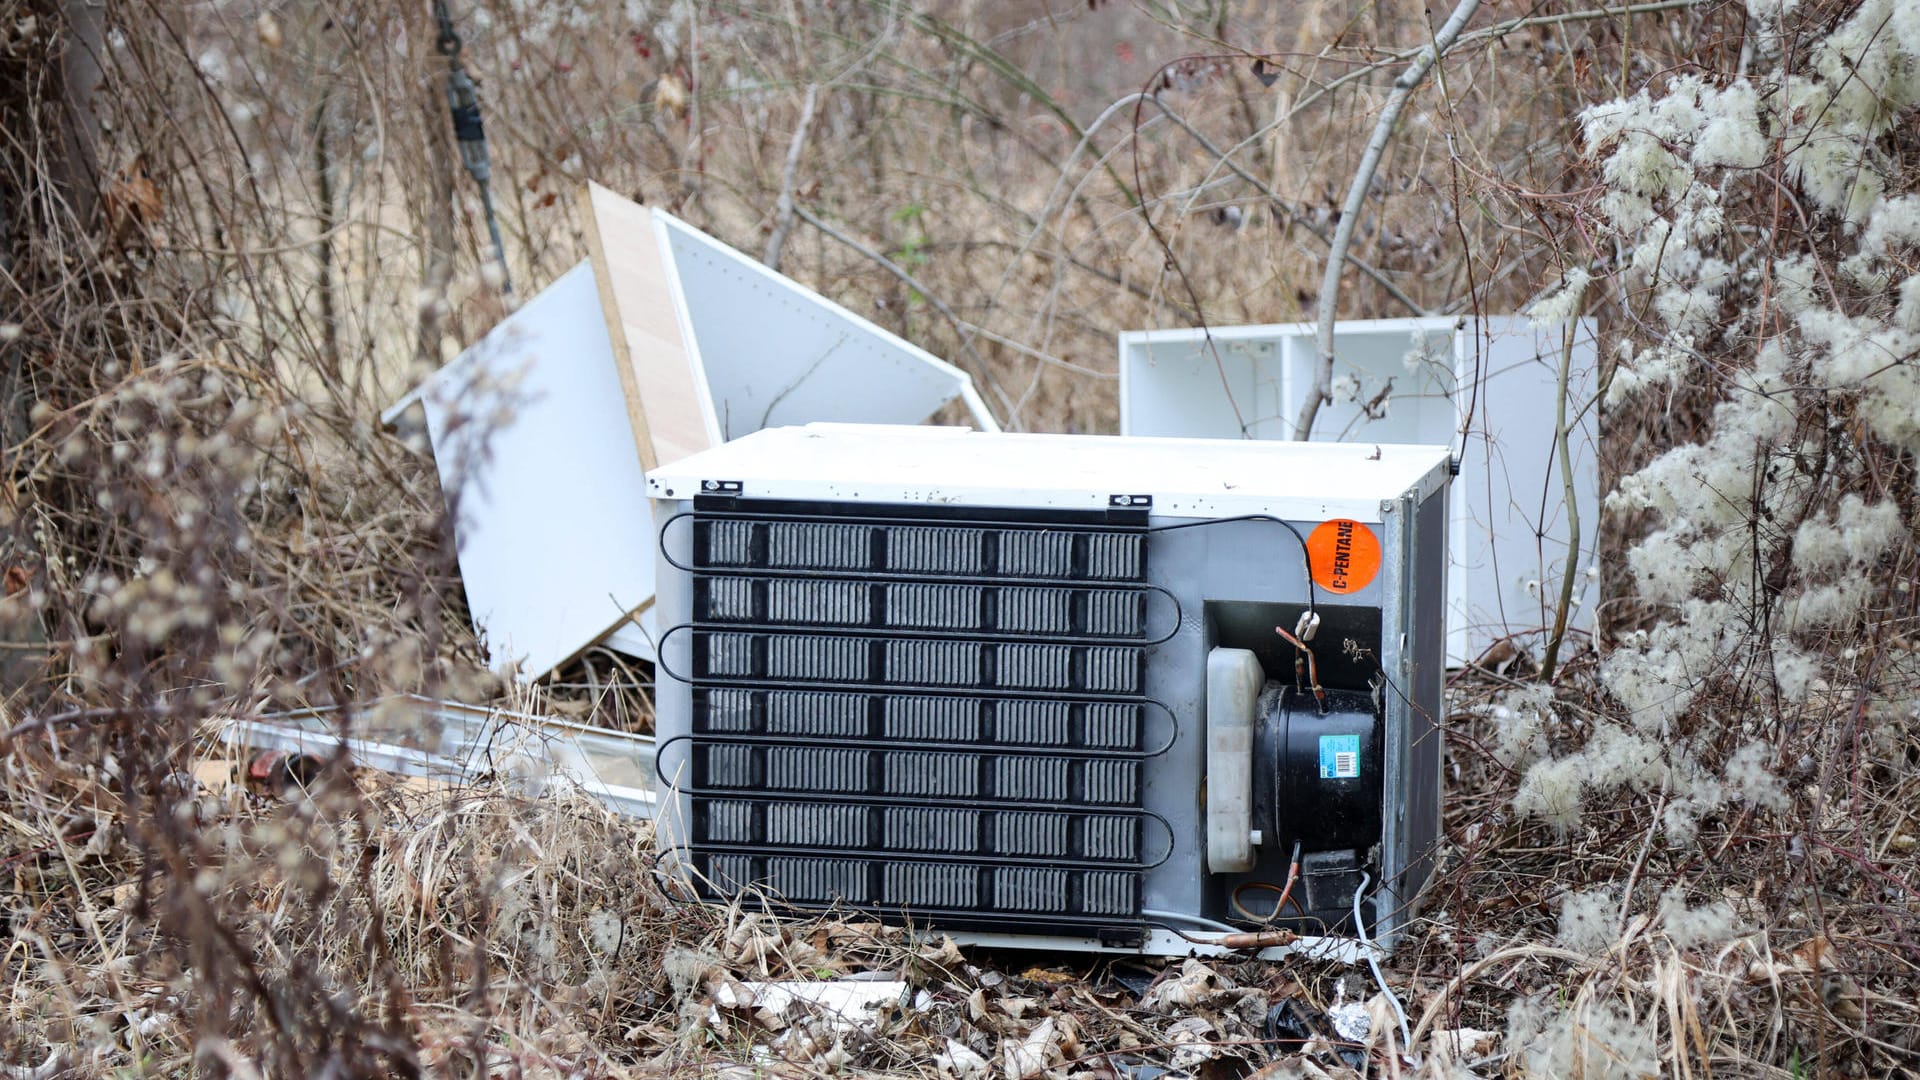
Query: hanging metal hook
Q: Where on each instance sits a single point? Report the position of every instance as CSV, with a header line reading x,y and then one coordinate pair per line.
x,y
463,102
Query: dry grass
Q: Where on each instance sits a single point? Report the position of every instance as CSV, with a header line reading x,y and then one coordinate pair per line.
x,y
1815,967
454,931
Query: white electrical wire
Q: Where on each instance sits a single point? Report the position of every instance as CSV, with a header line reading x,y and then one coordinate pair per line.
x,y
1360,929
1193,922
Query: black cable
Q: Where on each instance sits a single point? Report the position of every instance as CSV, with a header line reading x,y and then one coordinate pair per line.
x,y
463,102
1306,556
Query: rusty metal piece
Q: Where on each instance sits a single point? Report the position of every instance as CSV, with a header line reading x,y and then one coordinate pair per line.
x,y
1263,939
279,772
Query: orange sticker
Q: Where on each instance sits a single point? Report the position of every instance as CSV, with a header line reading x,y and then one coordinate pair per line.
x,y
1345,555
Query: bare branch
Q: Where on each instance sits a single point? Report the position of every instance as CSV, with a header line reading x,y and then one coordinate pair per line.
x,y
1293,212
1564,607
783,209
978,364
1403,88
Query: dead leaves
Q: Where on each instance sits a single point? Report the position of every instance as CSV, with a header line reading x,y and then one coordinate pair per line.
x,y
1199,988
930,1003
1812,977
1461,1046
1300,1067
132,200
1034,1054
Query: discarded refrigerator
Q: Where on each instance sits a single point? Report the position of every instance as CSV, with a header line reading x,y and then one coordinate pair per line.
x,y
1062,691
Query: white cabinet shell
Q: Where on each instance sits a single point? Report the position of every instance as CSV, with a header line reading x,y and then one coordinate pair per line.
x,y
1486,387
662,343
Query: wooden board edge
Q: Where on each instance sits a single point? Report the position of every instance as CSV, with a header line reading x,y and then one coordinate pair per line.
x,y
616,328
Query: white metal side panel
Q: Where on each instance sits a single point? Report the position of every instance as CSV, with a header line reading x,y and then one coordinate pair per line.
x,y
1509,544
774,352
1186,478
534,447
761,349
1392,381
668,234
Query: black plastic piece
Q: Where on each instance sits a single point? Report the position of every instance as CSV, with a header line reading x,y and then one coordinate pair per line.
x,y
1292,1024
728,497
1346,648
1331,878
1327,771
933,714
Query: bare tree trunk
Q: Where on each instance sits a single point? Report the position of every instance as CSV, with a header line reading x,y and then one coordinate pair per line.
x,y
81,77
75,178
1564,606
323,175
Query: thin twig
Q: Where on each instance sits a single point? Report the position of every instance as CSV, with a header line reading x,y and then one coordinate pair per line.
x,y
1518,952
1292,212
1560,441
979,364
